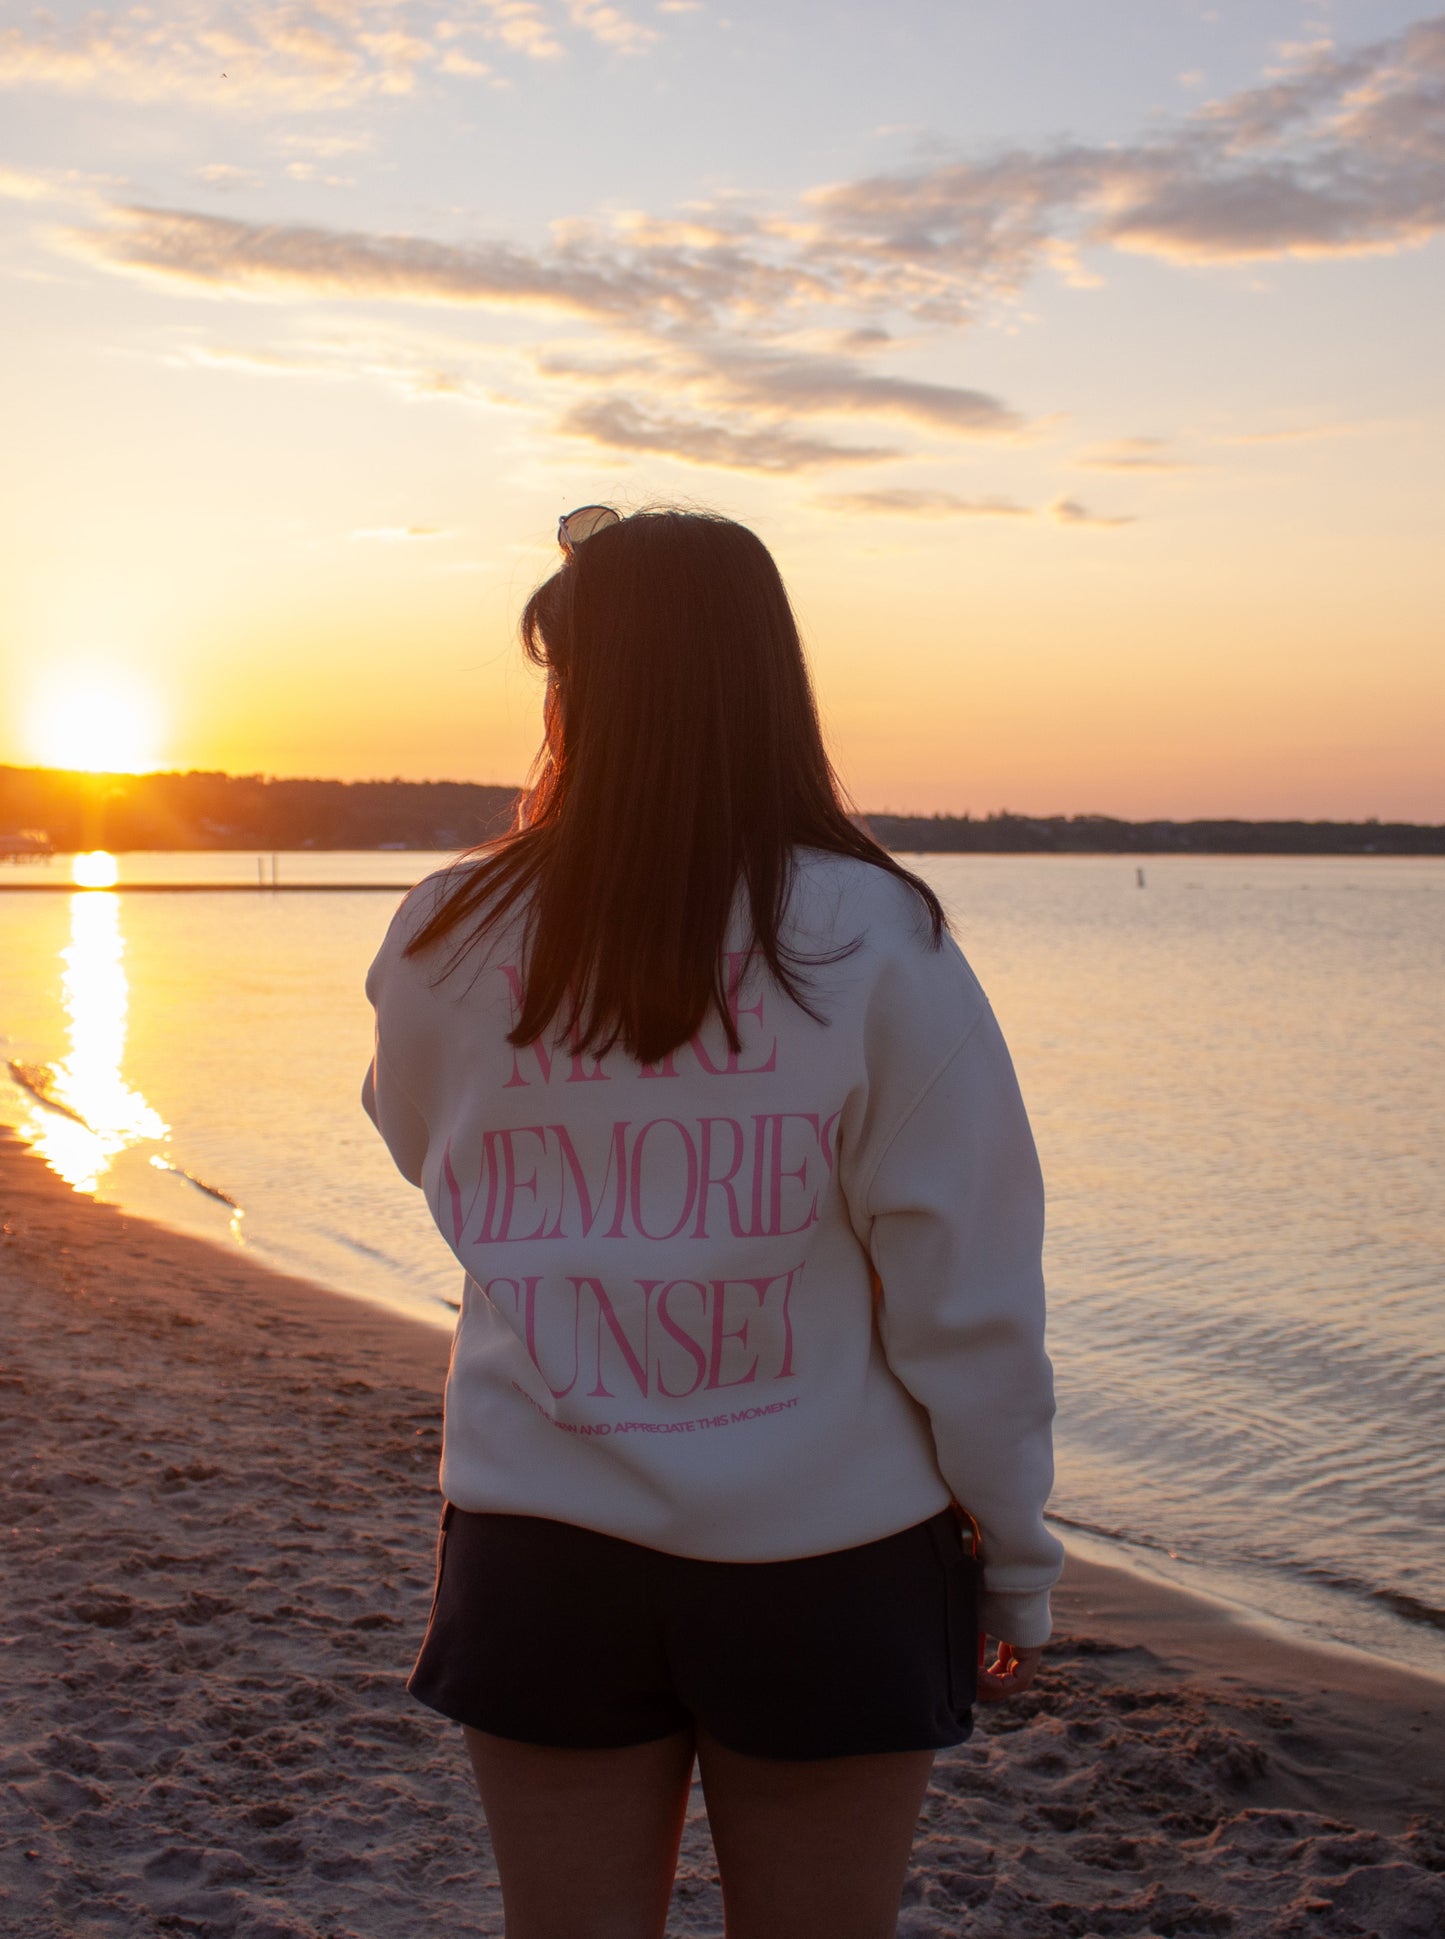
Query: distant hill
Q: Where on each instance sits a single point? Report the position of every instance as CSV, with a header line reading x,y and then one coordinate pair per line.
x,y
218,811
1007,834
125,812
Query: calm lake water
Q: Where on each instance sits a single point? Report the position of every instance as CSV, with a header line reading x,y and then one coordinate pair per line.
x,y
1235,1077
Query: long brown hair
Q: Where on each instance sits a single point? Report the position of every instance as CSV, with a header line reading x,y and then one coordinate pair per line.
x,y
683,755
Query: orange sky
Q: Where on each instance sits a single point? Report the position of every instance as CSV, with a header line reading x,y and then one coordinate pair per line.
x,y
1091,402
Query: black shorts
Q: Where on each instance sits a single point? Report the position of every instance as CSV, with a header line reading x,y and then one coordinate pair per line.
x,y
552,1634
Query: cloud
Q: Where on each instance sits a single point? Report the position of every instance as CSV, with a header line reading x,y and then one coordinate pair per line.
x,y
309,172
454,61
285,53
521,25
623,425
611,26
676,297
1134,454
416,367
815,384
399,534
752,319
1068,511
258,363
295,54
1344,153
278,259
1297,434
904,502
1337,152
18,185
321,147
226,175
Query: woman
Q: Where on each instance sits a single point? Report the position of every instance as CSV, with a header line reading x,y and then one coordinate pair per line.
x,y
723,1131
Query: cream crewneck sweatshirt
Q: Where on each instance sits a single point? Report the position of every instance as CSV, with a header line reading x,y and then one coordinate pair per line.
x,y
668,1330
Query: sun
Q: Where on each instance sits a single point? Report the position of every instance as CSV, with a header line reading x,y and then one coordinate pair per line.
x,y
97,721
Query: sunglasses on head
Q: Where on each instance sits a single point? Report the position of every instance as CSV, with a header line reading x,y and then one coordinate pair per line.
x,y
580,525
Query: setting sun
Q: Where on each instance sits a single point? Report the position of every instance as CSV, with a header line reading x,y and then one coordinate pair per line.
x,y
94,870
90,719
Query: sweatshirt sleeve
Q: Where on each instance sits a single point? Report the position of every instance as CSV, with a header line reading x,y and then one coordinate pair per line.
x,y
954,1215
384,1097
398,1120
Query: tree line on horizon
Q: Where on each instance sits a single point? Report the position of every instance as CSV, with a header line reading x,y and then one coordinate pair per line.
x,y
200,810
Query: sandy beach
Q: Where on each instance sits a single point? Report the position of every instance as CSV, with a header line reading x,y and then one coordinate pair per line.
x,y
220,1514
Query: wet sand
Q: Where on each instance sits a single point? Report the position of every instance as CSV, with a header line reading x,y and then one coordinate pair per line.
x,y
219,1521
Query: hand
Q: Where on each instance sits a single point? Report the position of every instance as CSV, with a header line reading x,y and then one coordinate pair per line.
x,y
1013,1669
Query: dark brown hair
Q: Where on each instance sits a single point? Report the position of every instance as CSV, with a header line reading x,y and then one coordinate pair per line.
x,y
683,755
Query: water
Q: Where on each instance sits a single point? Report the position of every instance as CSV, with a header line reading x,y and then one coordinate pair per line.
x,y
1234,1074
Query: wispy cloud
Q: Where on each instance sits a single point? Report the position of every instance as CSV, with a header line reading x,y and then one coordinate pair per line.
x,y
398,534
417,369
906,502
1343,153
719,374
820,385
523,26
19,185
455,62
279,259
1338,152
611,25
625,425
1297,434
734,306
283,53
629,293
295,53
315,145
259,363
1068,511
228,175
1135,454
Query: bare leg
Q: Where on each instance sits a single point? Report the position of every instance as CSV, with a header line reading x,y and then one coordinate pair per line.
x,y
585,1840
814,1850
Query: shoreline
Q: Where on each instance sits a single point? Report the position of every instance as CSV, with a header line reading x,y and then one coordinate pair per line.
x,y
1230,1593
220,1534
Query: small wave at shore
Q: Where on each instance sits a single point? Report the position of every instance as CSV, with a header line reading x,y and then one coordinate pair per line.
x,y
179,1171
1413,1609
1107,1534
1253,1586
38,1081
399,1267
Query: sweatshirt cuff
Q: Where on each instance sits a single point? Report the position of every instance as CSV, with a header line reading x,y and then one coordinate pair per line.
x,y
1018,1616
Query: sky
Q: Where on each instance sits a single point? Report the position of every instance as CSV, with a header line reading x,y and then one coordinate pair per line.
x,y
1078,360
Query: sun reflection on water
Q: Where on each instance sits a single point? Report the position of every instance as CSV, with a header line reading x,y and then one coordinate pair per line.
x,y
95,1114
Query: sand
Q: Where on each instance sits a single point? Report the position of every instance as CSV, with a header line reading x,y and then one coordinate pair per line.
x,y
219,1524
